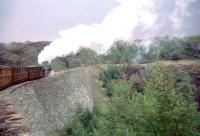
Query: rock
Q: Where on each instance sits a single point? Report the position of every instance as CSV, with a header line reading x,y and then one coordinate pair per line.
x,y
49,103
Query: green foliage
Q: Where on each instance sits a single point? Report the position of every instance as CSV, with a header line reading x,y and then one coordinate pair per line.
x,y
57,64
119,88
85,124
112,73
21,53
84,57
87,56
192,38
192,46
170,113
72,61
161,110
177,77
45,63
181,80
121,52
11,58
152,53
171,48
148,70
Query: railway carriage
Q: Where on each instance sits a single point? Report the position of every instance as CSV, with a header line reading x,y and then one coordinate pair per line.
x,y
35,72
20,74
5,76
14,75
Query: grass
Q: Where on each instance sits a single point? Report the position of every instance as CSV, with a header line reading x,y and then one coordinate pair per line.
x,y
185,62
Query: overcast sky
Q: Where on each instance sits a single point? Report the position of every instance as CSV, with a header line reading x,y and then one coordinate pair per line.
x,y
34,20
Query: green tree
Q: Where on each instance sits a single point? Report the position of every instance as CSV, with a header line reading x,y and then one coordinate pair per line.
x,y
87,56
192,46
84,57
122,51
171,48
112,73
161,111
58,64
166,111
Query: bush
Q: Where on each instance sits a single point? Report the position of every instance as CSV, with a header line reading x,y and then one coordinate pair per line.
x,y
161,111
87,56
85,124
192,46
58,64
120,88
84,57
181,80
171,49
122,52
112,73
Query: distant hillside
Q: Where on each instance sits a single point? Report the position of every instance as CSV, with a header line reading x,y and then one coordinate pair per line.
x,y
21,53
123,52
168,48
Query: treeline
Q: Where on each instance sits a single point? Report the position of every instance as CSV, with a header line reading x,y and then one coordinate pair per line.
x,y
21,53
169,48
165,106
139,51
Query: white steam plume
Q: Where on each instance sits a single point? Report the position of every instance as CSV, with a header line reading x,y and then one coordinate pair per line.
x,y
117,25
177,16
138,19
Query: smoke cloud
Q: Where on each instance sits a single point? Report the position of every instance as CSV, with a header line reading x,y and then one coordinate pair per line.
x,y
128,21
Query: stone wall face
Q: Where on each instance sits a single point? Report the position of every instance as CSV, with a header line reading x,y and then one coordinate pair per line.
x,y
49,103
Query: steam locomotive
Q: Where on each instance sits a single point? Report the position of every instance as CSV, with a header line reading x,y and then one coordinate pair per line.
x,y
13,75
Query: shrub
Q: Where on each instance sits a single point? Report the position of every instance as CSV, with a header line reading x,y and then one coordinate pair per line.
x,y
192,46
87,56
112,73
121,52
84,57
171,49
168,112
120,88
161,110
58,64
181,80
86,123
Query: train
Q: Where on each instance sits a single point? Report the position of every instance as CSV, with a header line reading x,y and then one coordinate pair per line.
x,y
14,75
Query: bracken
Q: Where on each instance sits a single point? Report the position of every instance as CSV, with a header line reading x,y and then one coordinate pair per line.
x,y
10,124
